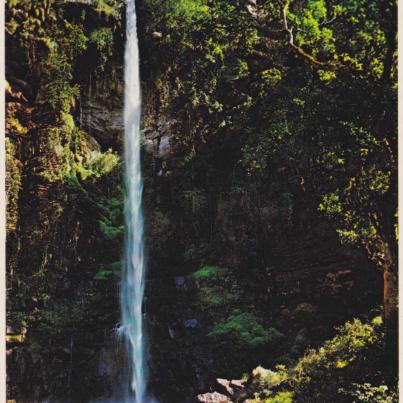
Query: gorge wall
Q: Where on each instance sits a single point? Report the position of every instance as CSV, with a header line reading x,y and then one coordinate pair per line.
x,y
242,271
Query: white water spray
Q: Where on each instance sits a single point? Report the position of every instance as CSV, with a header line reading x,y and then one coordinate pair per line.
x,y
132,284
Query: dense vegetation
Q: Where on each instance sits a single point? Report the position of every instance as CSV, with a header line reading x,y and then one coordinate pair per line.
x,y
270,221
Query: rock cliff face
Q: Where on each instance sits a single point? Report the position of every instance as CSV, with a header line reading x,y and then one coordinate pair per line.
x,y
238,276
62,180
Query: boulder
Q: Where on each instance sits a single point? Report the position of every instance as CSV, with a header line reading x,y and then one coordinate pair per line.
x,y
238,384
180,281
213,397
260,372
191,323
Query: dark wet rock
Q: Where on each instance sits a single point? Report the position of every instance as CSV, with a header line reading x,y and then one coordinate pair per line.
x,y
158,145
36,358
66,350
107,362
102,123
191,323
224,386
164,147
171,332
180,281
238,384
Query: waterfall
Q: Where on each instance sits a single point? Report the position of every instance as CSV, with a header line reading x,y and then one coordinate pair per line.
x,y
132,283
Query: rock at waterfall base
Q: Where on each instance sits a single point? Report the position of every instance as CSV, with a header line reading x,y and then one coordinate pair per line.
x,y
214,397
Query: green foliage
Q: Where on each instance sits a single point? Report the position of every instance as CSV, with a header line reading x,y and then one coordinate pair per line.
x,y
109,230
371,394
216,289
269,397
102,38
321,372
191,7
339,352
14,126
271,76
58,91
97,164
232,318
13,185
27,21
111,223
109,271
246,330
264,385
109,7
208,272
179,12
55,246
318,102
280,397
346,34
334,372
67,157
56,154
74,42
215,296
360,224
265,379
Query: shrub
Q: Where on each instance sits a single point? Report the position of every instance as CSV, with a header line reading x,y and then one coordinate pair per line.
x,y
98,164
371,394
318,375
208,272
55,158
108,7
111,221
246,330
215,296
13,185
102,38
218,289
345,369
109,271
262,378
263,382
281,397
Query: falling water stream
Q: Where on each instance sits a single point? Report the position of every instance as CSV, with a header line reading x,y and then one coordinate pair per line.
x,y
132,284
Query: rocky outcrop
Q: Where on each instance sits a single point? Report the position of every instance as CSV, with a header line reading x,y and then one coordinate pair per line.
x,y
226,391
103,123
213,397
160,146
